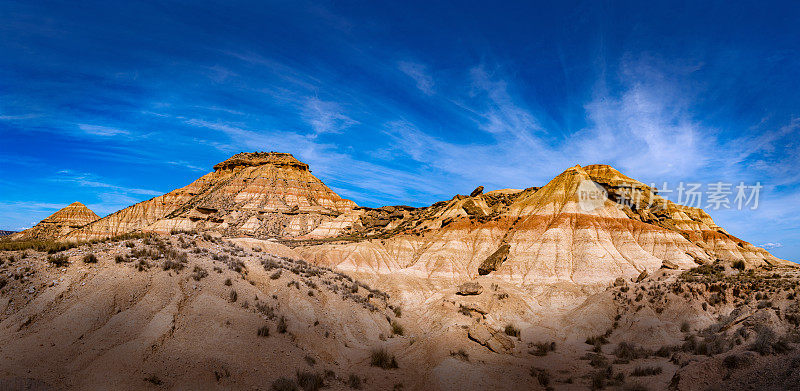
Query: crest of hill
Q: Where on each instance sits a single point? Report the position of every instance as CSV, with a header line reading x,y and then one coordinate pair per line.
x,y
62,222
260,194
254,159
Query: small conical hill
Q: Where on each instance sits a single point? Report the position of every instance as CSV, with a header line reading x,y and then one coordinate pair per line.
x,y
65,220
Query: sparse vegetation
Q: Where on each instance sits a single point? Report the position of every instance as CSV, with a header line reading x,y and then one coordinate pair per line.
x,y
90,258
542,348
282,327
284,384
58,260
461,354
170,264
199,273
512,331
625,352
597,340
767,342
646,371
263,331
541,375
381,358
154,380
142,265
310,381
233,296
354,381
121,259
397,328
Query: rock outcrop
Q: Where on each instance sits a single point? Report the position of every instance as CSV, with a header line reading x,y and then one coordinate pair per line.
x,y
494,340
546,235
262,194
64,221
469,289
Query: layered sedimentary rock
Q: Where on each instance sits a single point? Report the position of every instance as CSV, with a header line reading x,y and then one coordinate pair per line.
x,y
642,203
560,233
65,220
262,194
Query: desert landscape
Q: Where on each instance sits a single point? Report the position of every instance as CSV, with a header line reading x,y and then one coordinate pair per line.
x,y
404,195
258,276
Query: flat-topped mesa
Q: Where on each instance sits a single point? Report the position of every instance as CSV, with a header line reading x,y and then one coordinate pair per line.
x,y
259,194
254,159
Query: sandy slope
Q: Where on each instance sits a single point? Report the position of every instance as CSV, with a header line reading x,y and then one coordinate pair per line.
x,y
109,325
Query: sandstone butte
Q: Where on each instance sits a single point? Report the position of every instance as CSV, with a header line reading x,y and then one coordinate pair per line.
x,y
536,235
65,220
262,194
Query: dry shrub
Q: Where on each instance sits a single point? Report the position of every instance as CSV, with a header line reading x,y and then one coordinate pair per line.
x,y
382,359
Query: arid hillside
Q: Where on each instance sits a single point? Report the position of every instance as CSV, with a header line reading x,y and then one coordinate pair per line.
x,y
196,311
258,276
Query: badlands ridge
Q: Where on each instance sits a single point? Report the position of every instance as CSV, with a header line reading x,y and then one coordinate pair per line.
x,y
259,276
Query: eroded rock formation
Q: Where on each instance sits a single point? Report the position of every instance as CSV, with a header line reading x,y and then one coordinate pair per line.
x,y
64,221
541,235
262,194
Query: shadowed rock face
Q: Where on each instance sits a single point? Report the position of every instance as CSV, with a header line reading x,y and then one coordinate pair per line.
x,y
262,194
67,219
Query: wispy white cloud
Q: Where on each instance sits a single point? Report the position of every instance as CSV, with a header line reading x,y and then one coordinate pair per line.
x,y
102,130
325,117
419,73
771,245
90,180
187,165
646,129
18,117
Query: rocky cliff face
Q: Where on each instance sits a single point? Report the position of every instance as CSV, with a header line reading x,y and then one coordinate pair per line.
x,y
67,219
545,235
548,235
262,194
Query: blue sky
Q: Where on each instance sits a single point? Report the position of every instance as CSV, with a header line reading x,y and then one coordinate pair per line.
x,y
111,103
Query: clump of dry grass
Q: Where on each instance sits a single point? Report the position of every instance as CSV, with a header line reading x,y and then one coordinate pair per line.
x,y
58,260
199,273
90,258
512,330
397,328
542,348
282,326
